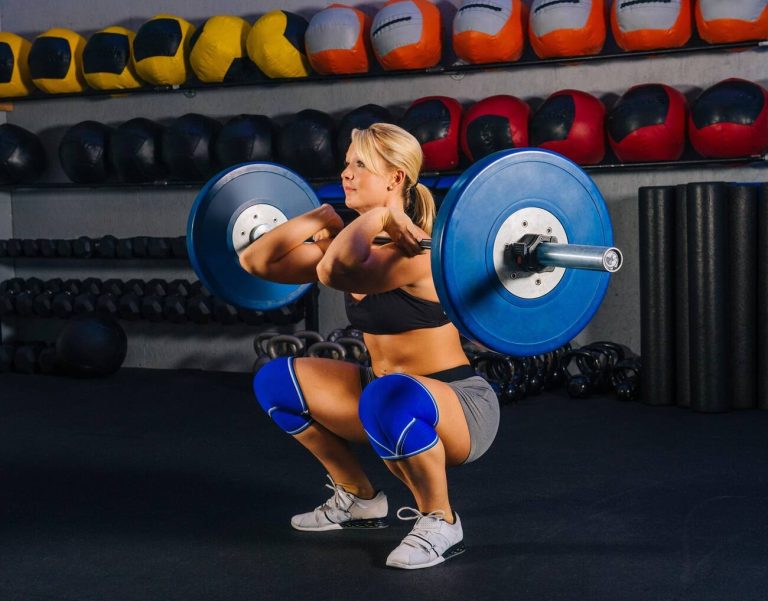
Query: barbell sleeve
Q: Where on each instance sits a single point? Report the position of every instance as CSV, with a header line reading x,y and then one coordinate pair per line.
x,y
569,256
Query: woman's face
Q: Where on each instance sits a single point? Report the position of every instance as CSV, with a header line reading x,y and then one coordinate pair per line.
x,y
363,189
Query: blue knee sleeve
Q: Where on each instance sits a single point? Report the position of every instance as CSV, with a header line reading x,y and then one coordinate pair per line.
x,y
278,392
399,416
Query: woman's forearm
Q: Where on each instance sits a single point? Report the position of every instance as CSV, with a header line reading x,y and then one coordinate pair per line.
x,y
277,243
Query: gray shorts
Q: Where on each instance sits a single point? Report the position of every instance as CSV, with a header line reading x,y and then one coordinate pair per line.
x,y
477,398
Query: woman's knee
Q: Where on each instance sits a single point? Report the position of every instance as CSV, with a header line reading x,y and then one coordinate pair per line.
x,y
399,416
278,392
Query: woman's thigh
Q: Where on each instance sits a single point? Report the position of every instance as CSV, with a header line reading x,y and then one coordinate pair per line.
x,y
452,427
331,390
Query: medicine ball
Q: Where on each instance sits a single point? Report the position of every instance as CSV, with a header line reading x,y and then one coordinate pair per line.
x,y
161,50
134,151
84,152
276,44
648,124
435,121
91,346
187,146
575,28
650,25
217,50
108,62
15,79
570,122
360,118
405,34
245,138
338,40
721,22
489,32
22,156
730,119
56,61
305,144
493,124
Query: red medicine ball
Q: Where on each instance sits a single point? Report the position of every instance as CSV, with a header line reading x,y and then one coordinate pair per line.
x,y
648,124
493,124
435,121
730,120
570,122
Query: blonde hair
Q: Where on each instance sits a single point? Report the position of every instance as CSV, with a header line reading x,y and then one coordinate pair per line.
x,y
398,149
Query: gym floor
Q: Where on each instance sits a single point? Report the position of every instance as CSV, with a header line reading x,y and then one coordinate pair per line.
x,y
173,485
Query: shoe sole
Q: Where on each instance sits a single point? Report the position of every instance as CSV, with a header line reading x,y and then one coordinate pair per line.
x,y
451,552
372,524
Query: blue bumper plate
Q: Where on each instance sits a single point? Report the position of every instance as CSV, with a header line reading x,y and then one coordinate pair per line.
x,y
210,230
463,237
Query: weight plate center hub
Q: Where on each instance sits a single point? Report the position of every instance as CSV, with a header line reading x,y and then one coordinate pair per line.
x,y
530,220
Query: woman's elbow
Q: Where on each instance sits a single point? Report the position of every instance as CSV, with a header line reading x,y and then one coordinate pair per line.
x,y
250,264
332,273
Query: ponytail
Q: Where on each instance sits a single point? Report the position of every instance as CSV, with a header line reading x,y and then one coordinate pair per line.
x,y
420,207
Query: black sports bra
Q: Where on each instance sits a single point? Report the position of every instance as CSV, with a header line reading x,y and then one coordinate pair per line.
x,y
393,312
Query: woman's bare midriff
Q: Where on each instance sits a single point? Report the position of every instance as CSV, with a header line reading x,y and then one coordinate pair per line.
x,y
416,352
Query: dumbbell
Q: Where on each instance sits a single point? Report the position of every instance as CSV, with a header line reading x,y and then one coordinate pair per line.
x,y
175,308
63,248
200,308
179,247
47,247
48,360
178,287
30,248
224,313
251,317
3,249
106,247
286,315
107,303
42,305
82,247
158,248
14,248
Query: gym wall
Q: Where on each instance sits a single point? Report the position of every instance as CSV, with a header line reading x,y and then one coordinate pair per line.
x,y
71,213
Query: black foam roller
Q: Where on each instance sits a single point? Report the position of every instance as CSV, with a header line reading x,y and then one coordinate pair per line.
x,y
742,287
682,316
762,300
657,293
708,295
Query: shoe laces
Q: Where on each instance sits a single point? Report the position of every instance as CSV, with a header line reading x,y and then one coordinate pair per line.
x,y
341,499
426,524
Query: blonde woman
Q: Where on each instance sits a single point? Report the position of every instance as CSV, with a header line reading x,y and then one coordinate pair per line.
x,y
420,405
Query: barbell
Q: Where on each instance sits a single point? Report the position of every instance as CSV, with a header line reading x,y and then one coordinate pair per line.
x,y
521,249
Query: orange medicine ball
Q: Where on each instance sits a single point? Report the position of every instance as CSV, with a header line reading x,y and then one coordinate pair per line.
x,y
490,31
405,34
337,40
721,21
649,25
567,28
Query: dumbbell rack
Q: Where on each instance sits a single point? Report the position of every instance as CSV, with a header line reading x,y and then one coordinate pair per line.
x,y
155,300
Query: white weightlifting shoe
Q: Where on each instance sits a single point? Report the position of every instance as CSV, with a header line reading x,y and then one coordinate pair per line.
x,y
431,541
344,510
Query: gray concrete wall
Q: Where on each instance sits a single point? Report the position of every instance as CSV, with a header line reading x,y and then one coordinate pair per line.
x,y
164,212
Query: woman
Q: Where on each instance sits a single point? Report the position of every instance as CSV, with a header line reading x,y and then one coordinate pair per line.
x,y
420,405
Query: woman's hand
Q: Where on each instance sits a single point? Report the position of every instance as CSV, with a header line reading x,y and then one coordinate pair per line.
x,y
334,223
405,234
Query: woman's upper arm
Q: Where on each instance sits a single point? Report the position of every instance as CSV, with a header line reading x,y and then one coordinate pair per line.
x,y
299,266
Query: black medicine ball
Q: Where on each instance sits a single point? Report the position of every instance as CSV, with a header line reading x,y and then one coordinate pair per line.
x,y
245,138
22,156
135,151
305,144
83,152
187,146
91,346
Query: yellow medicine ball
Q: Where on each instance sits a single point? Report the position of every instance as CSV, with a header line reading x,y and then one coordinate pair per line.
x,y
108,60
161,50
276,44
218,49
56,61
14,68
